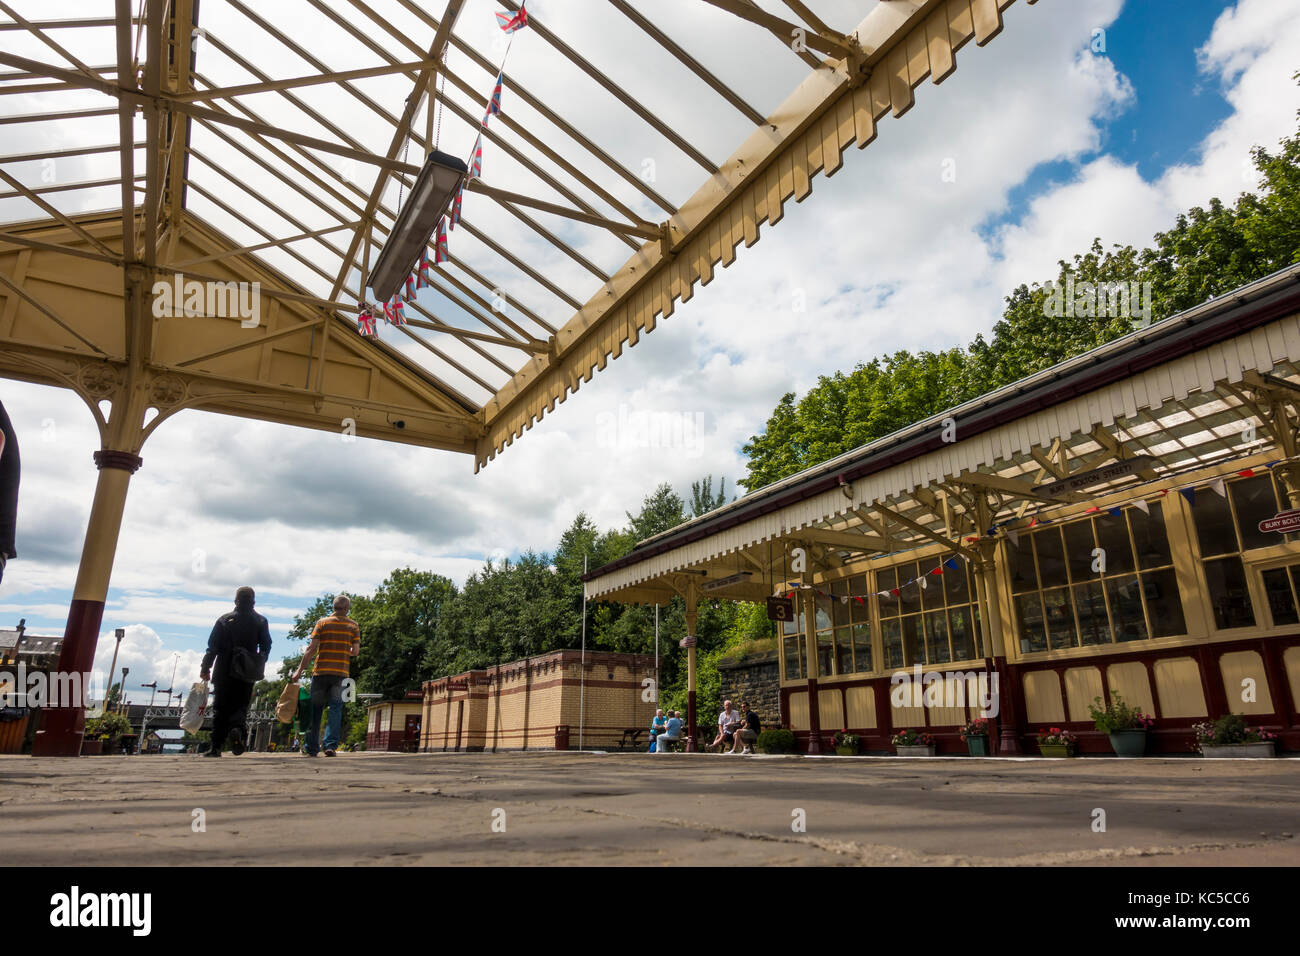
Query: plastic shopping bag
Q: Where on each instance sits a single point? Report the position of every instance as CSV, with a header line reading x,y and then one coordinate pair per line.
x,y
287,706
195,705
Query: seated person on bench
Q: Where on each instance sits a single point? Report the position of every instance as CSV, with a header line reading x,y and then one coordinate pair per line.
x,y
672,732
747,733
657,727
729,722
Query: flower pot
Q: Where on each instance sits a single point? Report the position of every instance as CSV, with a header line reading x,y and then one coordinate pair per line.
x,y
1258,749
978,745
916,750
844,751
92,748
1056,750
1129,743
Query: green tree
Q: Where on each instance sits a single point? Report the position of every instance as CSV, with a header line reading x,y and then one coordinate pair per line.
x,y
702,498
1208,251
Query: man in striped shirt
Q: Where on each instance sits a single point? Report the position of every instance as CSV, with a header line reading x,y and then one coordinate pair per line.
x,y
334,642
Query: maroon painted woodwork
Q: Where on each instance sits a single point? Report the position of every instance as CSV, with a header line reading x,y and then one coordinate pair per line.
x,y
62,727
814,719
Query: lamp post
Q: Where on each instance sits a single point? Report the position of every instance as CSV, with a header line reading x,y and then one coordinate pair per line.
x,y
121,696
119,633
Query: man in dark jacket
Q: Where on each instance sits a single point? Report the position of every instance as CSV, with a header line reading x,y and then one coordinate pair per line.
x,y
9,471
241,643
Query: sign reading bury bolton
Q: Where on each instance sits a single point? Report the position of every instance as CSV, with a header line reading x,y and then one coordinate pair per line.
x,y
1282,522
1097,476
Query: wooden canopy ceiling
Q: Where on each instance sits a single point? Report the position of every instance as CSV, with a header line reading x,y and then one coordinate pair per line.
x,y
268,144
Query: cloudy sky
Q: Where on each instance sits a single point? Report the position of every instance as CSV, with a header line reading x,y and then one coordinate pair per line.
x,y
1051,135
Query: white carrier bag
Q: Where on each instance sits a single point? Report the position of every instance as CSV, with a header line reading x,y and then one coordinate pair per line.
x,y
195,705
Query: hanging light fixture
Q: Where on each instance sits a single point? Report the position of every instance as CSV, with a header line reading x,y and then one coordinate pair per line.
x,y
432,193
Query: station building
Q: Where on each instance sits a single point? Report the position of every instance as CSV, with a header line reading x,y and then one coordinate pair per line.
x,y
556,701
1114,524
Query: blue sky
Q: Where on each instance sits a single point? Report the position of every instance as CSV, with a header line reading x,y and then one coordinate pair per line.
x,y
1053,145
1153,44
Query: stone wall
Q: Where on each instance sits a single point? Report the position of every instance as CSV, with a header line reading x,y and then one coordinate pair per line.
x,y
756,679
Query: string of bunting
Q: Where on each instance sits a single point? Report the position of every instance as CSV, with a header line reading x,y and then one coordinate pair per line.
x,y
948,564
392,311
1216,485
951,563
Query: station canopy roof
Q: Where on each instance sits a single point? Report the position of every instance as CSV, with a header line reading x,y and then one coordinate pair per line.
x,y
637,147
1215,384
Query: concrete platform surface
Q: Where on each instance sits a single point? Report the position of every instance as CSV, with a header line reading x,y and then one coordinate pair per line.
x,y
641,809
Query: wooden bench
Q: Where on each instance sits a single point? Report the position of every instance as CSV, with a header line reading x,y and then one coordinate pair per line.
x,y
631,736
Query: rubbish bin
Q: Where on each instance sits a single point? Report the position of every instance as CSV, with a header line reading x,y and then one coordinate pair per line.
x,y
562,737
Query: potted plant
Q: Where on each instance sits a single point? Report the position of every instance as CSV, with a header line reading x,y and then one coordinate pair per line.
x,y
1056,742
912,743
1230,737
976,735
1127,726
847,744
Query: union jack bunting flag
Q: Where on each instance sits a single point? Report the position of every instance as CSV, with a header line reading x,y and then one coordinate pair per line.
x,y
422,276
366,321
494,104
476,161
440,247
410,288
388,312
399,312
455,207
510,23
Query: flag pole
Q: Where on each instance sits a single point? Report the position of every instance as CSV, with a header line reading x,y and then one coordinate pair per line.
x,y
656,656
582,674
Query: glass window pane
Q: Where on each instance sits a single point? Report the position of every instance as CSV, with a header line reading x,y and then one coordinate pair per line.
x,y
979,631
840,607
793,657
859,610
891,633
843,651
1125,596
862,648
1112,537
936,637
1029,615
962,634
887,579
1227,583
1079,544
1254,501
932,593
1164,607
1213,523
909,595
1023,575
1051,558
913,643
1149,536
1090,605
1281,602
1061,629
825,655
956,583
823,613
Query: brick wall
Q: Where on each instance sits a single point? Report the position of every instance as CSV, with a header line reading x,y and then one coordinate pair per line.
x,y
756,679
